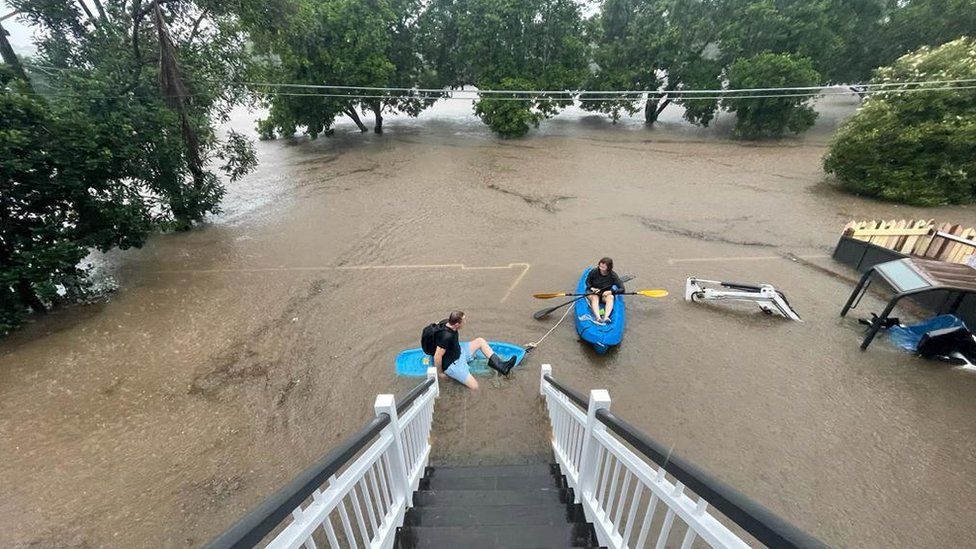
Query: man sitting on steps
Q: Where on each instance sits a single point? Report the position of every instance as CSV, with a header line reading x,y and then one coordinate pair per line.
x,y
456,356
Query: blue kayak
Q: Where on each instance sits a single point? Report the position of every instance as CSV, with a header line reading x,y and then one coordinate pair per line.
x,y
414,363
601,336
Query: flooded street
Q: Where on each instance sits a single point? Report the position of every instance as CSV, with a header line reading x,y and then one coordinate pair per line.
x,y
236,354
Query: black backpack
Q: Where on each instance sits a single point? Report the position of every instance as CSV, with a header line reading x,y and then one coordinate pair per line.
x,y
427,341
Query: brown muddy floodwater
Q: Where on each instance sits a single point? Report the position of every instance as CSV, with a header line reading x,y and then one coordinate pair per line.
x,y
236,354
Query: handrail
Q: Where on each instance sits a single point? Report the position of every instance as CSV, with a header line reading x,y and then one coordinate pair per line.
x,y
597,451
407,400
252,528
761,523
573,395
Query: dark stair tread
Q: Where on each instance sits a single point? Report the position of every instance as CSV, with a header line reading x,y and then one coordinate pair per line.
x,y
498,515
440,497
490,483
490,471
521,537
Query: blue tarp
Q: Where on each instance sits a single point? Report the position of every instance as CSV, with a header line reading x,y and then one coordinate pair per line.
x,y
907,337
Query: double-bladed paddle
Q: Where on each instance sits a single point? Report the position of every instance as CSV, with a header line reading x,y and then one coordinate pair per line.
x,y
539,315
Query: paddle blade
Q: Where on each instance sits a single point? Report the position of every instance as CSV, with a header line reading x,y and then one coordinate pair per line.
x,y
652,293
549,296
539,315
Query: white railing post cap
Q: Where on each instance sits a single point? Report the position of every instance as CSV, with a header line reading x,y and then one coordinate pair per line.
x,y
600,398
386,404
546,370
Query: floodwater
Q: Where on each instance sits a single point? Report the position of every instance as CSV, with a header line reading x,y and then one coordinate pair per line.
x,y
235,354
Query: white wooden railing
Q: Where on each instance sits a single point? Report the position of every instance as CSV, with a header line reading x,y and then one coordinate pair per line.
x,y
621,489
369,483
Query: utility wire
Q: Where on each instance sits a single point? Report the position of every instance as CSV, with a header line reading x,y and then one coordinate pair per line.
x,y
866,86
606,92
582,99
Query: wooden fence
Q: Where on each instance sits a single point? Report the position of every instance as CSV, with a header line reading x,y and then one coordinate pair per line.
x,y
920,238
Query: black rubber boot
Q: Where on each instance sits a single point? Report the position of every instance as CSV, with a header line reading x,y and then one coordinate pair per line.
x,y
501,366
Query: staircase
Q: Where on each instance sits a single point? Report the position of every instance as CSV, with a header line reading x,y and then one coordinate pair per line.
x,y
495,506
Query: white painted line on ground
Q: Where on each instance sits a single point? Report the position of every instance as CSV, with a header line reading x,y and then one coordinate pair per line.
x,y
525,269
747,258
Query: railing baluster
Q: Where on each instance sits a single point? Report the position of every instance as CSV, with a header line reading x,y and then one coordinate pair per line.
x,y
648,517
346,526
359,516
377,496
579,430
370,512
575,443
608,457
330,532
385,488
669,518
634,503
560,425
623,498
613,488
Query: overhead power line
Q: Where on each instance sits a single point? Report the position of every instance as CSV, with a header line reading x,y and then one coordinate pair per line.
x,y
584,99
865,87
607,92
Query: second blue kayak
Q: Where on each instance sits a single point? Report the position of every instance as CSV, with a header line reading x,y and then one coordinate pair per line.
x,y
601,336
414,363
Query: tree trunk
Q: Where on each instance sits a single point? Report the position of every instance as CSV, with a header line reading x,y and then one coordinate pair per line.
x,y
650,109
378,115
351,111
9,57
27,295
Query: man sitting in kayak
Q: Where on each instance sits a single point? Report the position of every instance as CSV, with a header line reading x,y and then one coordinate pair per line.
x,y
456,356
603,282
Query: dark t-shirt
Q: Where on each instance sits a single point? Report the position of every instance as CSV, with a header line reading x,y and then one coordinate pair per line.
x,y
601,282
447,339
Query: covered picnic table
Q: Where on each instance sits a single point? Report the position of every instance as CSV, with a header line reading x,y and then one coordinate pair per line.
x,y
910,277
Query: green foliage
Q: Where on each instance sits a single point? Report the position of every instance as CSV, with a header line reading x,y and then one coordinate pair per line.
x,y
97,154
506,115
345,42
494,44
914,148
916,23
770,117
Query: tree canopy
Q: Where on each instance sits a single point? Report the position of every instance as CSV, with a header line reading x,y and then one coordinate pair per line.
x,y
916,148
115,139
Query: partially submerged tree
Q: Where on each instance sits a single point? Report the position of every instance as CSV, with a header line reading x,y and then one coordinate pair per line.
x,y
510,45
916,147
775,112
121,141
345,43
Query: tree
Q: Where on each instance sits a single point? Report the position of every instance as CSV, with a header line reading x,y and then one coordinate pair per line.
x,y
120,143
155,67
650,44
369,43
771,116
497,44
918,147
915,23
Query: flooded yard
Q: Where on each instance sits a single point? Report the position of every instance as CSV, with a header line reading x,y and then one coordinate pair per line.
x,y
236,354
